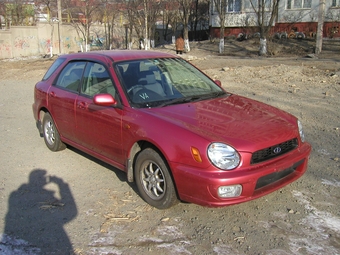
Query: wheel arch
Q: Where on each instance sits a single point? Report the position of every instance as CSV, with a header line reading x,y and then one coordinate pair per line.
x,y
40,116
137,148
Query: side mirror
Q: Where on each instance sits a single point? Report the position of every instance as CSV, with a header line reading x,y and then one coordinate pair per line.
x,y
104,100
218,82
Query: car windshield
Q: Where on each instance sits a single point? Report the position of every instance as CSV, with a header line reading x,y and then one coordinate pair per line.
x,y
165,81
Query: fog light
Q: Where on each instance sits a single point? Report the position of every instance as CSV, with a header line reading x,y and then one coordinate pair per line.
x,y
230,191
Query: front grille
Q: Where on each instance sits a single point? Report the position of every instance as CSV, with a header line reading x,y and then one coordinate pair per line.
x,y
273,151
273,177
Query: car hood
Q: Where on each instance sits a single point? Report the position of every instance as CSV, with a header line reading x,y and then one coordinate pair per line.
x,y
246,124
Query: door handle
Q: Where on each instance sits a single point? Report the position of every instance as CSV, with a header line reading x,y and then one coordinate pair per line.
x,y
53,94
82,105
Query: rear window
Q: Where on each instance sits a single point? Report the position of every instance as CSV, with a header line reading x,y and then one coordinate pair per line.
x,y
53,67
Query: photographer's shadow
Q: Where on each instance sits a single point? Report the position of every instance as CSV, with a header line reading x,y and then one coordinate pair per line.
x,y
36,216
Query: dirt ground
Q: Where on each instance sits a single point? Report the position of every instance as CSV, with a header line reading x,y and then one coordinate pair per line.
x,y
87,207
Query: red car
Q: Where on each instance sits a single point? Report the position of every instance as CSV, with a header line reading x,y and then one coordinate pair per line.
x,y
175,132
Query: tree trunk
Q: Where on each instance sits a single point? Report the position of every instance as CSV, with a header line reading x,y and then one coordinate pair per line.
x,y
146,38
263,47
60,22
51,43
319,34
221,45
186,39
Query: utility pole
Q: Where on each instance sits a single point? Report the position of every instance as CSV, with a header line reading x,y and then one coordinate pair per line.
x,y
319,34
60,21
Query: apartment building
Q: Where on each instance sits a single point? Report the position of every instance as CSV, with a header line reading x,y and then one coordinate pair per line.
x,y
295,17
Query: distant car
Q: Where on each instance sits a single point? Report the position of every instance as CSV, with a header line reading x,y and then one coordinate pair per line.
x,y
175,132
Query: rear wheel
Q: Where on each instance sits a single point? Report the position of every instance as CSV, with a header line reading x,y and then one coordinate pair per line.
x,y
51,134
154,181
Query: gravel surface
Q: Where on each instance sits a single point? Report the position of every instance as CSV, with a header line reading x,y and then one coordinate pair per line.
x,y
86,207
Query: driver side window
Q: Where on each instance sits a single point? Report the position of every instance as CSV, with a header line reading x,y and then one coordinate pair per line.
x,y
97,80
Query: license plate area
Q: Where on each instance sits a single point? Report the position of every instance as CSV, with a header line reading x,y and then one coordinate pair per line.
x,y
276,176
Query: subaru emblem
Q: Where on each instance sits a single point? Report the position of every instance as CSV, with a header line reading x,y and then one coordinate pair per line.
x,y
277,150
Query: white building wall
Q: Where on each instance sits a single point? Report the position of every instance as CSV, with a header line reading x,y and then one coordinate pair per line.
x,y
247,17
294,15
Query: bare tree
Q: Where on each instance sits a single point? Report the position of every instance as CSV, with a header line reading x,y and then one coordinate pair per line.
x,y
200,16
48,7
266,13
154,16
108,16
220,6
150,14
135,19
319,34
15,12
82,14
146,30
184,11
166,19
142,16
170,17
2,12
18,12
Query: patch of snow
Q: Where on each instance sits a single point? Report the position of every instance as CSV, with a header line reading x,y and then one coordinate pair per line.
x,y
174,248
12,246
172,231
334,183
318,227
225,250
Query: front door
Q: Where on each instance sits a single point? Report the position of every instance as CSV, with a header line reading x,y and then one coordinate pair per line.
x,y
98,127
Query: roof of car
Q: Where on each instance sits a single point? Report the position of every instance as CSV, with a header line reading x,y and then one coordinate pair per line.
x,y
119,55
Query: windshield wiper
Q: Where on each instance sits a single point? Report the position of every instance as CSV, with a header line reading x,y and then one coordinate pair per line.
x,y
177,101
192,98
212,95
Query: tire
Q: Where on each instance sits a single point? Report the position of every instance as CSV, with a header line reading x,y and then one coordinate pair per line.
x,y
300,35
51,134
257,35
283,35
154,181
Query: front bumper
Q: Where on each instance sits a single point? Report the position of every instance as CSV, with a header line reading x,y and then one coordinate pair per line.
x,y
201,186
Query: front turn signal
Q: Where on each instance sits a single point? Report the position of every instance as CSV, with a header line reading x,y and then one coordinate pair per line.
x,y
196,154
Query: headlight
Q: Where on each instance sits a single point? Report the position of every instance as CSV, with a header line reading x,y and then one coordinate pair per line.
x,y
223,156
302,134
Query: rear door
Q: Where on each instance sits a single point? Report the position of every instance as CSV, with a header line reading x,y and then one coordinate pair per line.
x,y
62,96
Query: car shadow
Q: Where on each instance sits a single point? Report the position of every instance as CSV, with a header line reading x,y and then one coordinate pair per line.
x,y
36,216
121,175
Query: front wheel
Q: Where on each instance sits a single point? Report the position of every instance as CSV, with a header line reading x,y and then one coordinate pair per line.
x,y
51,134
154,181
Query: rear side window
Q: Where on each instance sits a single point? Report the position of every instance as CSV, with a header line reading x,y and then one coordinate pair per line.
x,y
70,77
53,67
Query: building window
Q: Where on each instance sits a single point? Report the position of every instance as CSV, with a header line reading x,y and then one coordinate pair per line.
x,y
234,5
249,5
336,3
299,4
